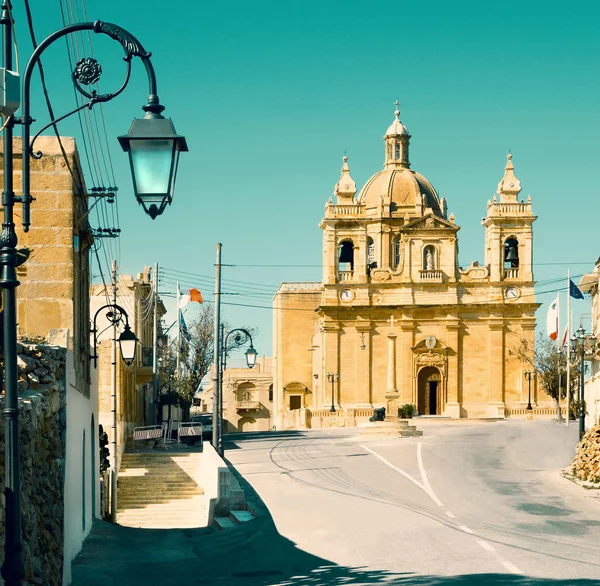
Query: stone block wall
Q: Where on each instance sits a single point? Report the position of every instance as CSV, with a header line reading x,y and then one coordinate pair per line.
x,y
42,409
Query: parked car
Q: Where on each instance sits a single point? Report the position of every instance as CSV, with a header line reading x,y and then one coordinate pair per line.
x,y
206,420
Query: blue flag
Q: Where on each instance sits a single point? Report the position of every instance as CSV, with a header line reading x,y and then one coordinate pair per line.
x,y
184,329
574,290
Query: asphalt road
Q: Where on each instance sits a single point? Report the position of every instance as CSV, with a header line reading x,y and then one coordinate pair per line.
x,y
469,503
467,498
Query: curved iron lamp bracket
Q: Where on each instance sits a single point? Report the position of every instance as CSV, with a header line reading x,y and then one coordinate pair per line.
x,y
115,316
239,340
87,72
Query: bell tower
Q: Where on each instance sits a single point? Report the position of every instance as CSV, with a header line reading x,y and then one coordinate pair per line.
x,y
509,232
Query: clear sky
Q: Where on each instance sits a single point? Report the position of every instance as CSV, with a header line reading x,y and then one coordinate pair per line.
x,y
271,94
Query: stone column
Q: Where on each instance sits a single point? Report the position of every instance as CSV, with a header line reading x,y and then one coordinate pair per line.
x,y
452,375
407,327
391,395
496,373
363,390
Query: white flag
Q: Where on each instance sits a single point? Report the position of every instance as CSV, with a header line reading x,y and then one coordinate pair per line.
x,y
552,320
183,301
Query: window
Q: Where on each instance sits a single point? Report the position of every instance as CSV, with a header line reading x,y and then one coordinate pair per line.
x,y
295,402
371,262
271,393
396,252
511,253
397,156
346,258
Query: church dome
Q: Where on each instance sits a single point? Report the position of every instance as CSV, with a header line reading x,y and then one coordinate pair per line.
x,y
403,190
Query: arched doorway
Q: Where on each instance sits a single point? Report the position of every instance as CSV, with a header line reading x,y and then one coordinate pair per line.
x,y
429,399
247,424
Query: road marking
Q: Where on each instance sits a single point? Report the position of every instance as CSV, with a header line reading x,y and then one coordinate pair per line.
x,y
465,529
451,515
424,478
511,568
485,545
425,486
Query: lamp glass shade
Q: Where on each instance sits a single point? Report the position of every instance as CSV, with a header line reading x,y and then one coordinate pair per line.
x,y
153,148
251,355
128,344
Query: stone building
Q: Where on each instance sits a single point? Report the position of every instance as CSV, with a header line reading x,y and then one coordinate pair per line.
x,y
247,397
136,403
53,303
395,319
590,283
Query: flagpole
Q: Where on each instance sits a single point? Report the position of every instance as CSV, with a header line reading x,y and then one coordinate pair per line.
x,y
559,349
217,415
568,345
178,330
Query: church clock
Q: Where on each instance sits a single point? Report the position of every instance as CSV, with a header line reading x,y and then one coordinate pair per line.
x,y
346,295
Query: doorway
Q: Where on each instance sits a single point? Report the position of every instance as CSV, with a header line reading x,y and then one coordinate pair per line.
x,y
429,399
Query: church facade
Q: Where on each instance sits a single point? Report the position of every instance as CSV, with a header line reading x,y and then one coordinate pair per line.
x,y
395,319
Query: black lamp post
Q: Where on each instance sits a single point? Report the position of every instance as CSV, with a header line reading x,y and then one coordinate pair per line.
x,y
332,378
240,337
528,374
146,182
580,347
127,340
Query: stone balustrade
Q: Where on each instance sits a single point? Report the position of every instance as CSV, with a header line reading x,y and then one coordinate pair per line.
x,y
431,276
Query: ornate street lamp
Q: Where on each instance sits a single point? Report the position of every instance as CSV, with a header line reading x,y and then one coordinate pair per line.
x,y
241,335
580,346
528,374
127,340
332,378
160,180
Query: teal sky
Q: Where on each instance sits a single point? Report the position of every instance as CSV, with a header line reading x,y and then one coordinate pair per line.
x,y
271,94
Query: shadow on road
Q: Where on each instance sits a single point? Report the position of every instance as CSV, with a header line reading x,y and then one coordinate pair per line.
x,y
252,554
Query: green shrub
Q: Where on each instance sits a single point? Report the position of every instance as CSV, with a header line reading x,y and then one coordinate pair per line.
x,y
406,411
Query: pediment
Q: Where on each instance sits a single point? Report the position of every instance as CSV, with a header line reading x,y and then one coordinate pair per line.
x,y
430,222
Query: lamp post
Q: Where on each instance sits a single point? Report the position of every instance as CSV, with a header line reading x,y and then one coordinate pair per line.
x,y
581,348
127,340
240,337
154,151
332,378
528,374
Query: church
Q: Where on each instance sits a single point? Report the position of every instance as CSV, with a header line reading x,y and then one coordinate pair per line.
x,y
395,319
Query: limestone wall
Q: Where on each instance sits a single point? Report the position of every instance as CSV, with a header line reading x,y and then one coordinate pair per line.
x,y
42,443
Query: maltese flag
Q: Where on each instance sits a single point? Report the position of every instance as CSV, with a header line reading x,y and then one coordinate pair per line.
x,y
552,320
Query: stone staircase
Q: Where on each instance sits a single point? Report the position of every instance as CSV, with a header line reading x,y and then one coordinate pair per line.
x,y
160,491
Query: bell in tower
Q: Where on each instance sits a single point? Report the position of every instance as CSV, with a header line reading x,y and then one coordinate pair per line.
x,y
511,253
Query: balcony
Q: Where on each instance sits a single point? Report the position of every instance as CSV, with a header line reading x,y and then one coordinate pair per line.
x,y
143,373
431,276
248,405
511,273
345,276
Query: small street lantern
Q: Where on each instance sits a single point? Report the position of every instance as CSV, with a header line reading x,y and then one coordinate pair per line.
x,y
153,147
251,355
128,344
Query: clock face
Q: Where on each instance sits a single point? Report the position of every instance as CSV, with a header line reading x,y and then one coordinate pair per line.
x,y
346,295
512,293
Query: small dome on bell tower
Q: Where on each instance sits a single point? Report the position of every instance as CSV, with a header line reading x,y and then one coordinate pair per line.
x,y
396,143
345,188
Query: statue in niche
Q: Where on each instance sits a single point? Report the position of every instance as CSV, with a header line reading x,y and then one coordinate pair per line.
x,y
428,260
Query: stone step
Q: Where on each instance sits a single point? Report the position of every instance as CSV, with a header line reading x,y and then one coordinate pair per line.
x,y
224,523
241,516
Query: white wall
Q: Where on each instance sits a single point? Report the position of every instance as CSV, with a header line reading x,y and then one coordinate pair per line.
x,y
81,466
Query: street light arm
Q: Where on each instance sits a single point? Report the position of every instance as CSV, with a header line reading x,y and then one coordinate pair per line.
x,y
113,319
87,71
244,331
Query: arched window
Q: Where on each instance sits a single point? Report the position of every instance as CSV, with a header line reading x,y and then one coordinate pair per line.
x,y
270,393
429,261
396,253
397,154
371,262
511,253
346,258
246,392
389,150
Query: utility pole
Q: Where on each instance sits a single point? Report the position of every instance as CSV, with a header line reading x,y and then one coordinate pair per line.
x,y
155,347
217,415
178,333
113,387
